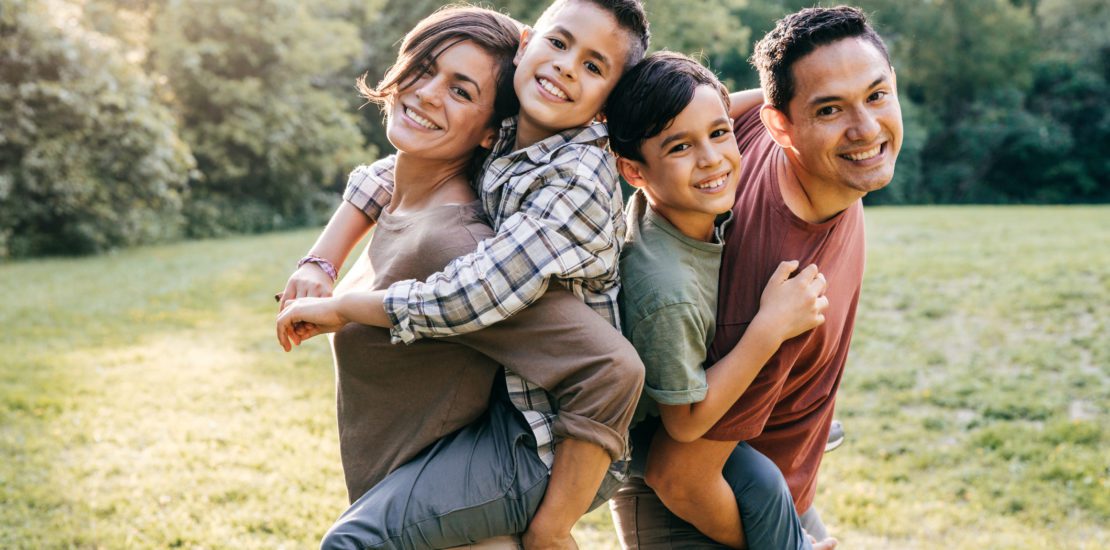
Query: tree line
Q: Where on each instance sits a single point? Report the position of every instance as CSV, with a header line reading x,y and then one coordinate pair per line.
x,y
133,121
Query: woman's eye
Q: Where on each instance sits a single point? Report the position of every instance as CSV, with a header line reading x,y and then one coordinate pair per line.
x,y
877,95
718,133
460,92
592,67
557,43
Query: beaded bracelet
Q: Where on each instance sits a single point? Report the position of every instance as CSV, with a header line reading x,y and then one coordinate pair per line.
x,y
323,263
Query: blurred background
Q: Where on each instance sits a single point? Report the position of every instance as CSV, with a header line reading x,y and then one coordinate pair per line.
x,y
135,121
163,164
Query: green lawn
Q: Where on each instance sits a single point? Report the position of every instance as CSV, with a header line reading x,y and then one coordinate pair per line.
x,y
145,403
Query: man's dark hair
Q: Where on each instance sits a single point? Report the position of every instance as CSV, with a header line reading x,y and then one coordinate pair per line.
x,y
799,34
630,16
649,97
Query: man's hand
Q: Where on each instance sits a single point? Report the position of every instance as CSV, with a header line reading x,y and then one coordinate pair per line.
x,y
308,281
533,540
307,317
793,305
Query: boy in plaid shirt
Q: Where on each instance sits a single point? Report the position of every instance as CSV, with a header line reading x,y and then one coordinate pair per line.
x,y
551,192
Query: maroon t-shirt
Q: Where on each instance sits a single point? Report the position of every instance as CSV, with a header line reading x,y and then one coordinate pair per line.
x,y
786,411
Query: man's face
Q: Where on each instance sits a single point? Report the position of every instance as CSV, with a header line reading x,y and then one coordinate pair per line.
x,y
845,124
567,67
691,169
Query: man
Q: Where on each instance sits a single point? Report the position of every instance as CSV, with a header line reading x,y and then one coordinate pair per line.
x,y
828,133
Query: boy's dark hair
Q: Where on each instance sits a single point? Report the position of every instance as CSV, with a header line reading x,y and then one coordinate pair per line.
x,y
649,97
797,35
630,16
495,33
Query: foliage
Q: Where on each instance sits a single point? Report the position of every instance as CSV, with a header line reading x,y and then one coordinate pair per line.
x,y
246,79
89,159
129,121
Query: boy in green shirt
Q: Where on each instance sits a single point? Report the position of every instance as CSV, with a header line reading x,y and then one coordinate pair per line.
x,y
670,128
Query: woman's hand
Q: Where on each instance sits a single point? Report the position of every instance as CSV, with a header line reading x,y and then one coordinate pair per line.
x,y
308,281
793,305
304,318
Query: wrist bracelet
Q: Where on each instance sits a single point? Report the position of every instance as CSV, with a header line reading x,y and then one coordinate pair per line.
x,y
323,263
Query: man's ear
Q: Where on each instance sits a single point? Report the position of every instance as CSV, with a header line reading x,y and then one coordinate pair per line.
x,y
631,172
777,124
525,37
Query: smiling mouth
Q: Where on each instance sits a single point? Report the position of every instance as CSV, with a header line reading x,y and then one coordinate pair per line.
x,y
864,155
713,184
552,89
420,120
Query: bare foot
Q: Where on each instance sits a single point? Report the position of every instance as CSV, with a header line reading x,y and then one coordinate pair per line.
x,y
827,544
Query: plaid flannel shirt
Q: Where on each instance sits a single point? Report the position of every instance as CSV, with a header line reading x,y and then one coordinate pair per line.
x,y
557,212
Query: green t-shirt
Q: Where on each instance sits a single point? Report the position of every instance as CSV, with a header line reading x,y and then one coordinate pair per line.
x,y
668,305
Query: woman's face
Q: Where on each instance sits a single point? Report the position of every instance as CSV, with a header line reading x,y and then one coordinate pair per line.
x,y
445,114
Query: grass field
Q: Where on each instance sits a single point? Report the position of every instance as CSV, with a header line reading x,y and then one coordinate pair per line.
x,y
144,402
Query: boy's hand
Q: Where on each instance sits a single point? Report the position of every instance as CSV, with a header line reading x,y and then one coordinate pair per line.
x,y
308,281
307,317
793,305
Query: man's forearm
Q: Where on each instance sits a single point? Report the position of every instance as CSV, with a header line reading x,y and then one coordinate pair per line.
x,y
575,477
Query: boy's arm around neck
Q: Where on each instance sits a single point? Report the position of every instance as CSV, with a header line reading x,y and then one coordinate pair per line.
x,y
563,228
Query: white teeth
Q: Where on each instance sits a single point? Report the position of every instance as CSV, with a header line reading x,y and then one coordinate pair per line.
x,y
421,120
864,155
713,183
552,89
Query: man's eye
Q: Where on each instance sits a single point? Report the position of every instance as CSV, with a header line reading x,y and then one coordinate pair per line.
x,y
718,133
559,44
592,67
877,95
460,92
826,111
679,148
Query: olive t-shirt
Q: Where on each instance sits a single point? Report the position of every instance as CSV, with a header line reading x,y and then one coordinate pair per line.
x,y
667,302
785,413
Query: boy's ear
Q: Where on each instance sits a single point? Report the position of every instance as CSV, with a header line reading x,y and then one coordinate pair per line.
x,y
778,125
526,34
631,172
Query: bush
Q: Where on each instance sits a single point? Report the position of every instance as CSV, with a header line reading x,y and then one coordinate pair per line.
x,y
89,160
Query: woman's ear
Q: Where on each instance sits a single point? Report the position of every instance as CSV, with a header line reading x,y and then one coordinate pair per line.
x,y
778,125
488,139
631,171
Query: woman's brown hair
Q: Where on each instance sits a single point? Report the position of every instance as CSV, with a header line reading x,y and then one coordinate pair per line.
x,y
496,34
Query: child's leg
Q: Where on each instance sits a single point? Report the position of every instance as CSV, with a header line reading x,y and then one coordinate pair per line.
x,y
688,479
394,401
766,507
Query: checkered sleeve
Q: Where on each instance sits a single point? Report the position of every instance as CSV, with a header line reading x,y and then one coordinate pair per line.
x,y
370,187
564,229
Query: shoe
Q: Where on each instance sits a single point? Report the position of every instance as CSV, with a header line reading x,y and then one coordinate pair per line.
x,y
836,436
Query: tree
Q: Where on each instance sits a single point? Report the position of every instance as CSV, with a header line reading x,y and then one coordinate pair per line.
x,y
249,80
89,159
